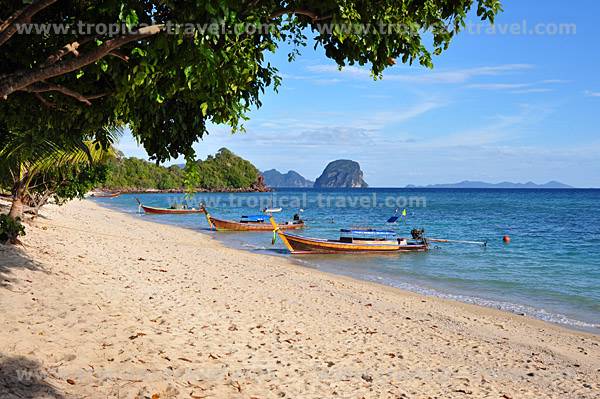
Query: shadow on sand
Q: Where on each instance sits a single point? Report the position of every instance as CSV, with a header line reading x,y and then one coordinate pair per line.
x,y
21,377
14,257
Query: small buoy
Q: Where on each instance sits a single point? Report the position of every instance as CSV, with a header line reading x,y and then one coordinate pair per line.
x,y
506,239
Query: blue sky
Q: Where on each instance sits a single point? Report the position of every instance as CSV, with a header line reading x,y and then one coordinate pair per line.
x,y
497,106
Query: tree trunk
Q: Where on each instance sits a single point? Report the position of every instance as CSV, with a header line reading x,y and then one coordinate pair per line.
x,y
41,201
16,210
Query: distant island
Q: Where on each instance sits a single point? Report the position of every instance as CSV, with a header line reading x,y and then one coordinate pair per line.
x,y
341,173
291,179
508,185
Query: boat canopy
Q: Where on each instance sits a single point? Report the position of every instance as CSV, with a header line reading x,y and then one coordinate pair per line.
x,y
253,218
368,233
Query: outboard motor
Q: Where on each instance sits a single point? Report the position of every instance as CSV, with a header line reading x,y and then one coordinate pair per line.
x,y
417,234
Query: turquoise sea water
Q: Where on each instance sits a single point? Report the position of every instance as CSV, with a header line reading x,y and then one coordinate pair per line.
x,y
551,270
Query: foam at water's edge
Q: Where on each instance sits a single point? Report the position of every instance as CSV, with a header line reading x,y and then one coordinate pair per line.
x,y
515,308
525,310
540,314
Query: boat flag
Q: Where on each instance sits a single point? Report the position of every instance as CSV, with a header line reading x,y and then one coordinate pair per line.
x,y
394,218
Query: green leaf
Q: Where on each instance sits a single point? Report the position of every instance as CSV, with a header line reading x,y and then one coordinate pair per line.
x,y
138,51
187,71
131,20
204,108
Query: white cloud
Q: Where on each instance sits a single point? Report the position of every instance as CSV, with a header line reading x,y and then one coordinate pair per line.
x,y
532,90
463,75
383,118
496,130
592,93
443,76
312,79
499,86
326,119
555,81
518,88
349,70
457,76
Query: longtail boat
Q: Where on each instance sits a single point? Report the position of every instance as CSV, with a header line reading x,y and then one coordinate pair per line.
x,y
168,211
250,223
351,241
106,195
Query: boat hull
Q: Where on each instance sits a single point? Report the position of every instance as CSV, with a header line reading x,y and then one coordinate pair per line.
x,y
166,211
230,225
304,245
105,195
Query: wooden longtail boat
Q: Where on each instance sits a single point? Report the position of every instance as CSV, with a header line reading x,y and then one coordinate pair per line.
x,y
105,195
168,211
351,241
250,223
165,211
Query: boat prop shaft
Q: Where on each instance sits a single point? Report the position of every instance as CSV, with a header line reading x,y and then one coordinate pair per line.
x,y
482,243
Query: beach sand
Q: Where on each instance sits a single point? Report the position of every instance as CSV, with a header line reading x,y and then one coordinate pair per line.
x,y
99,304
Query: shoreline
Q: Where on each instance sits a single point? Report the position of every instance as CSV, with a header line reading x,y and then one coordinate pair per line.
x,y
182,190
570,322
303,325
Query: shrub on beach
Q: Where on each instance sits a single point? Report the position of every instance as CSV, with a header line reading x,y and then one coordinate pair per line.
x,y
10,229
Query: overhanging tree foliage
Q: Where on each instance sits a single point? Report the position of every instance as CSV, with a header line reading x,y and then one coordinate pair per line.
x,y
35,168
64,183
167,84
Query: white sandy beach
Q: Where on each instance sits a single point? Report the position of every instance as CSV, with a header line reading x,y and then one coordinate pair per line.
x,y
99,304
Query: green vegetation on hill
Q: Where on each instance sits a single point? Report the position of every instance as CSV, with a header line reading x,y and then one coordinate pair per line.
x,y
226,170
137,174
223,171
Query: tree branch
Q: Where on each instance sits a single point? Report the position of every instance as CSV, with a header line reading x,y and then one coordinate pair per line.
x,y
45,102
96,96
22,79
43,87
11,19
299,11
119,55
9,27
67,49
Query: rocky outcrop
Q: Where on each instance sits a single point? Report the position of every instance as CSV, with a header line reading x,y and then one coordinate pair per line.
x,y
341,173
259,185
274,178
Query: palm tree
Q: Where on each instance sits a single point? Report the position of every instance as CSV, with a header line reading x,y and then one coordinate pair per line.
x,y
26,156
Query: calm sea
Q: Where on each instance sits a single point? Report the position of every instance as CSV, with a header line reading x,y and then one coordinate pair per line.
x,y
550,271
